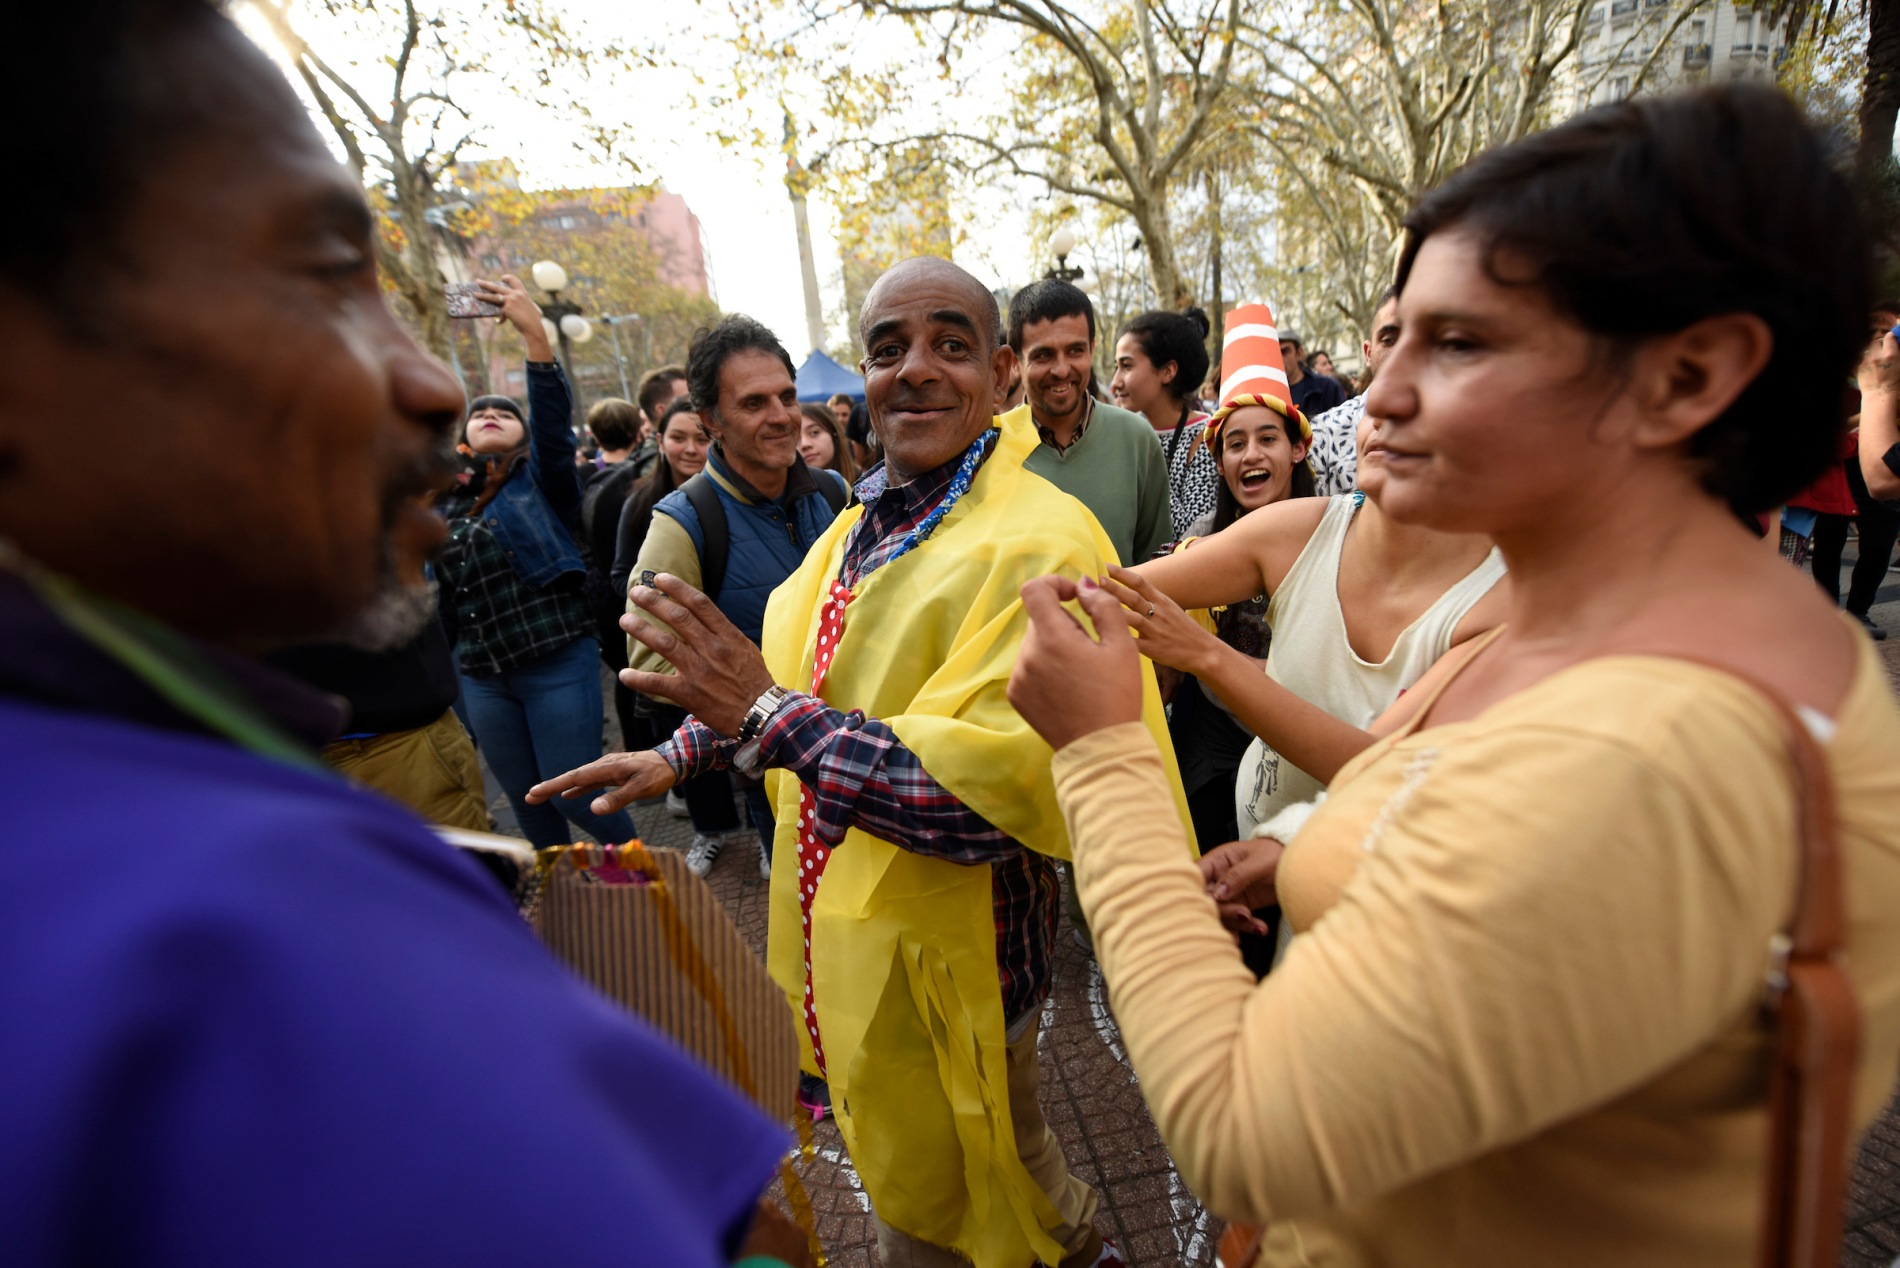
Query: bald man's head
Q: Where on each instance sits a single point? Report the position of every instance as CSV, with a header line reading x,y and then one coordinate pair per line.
x,y
933,364
980,303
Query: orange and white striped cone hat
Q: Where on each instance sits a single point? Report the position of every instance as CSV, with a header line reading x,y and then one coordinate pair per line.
x,y
1252,372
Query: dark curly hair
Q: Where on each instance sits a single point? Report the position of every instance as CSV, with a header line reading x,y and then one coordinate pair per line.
x,y
706,355
1643,217
1180,338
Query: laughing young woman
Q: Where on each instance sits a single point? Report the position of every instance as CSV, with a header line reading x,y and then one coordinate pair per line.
x,y
1262,461
1360,607
1522,1022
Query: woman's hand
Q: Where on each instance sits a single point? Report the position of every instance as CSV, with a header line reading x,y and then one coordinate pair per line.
x,y
519,310
1067,685
1166,634
628,777
1240,879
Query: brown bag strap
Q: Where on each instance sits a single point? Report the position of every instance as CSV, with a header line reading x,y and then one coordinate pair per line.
x,y
1816,1022
1810,1005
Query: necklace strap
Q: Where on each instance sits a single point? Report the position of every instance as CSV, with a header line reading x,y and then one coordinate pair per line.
x,y
163,659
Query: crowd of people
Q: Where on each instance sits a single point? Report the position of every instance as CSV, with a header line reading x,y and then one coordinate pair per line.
x,y
1417,755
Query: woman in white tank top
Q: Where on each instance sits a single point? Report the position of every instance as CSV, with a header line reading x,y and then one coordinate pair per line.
x,y
1312,656
1359,607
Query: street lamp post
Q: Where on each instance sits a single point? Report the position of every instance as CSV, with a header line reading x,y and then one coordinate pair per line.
x,y
565,323
613,325
1062,243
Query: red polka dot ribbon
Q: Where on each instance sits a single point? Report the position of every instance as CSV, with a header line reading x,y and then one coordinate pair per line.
x,y
813,853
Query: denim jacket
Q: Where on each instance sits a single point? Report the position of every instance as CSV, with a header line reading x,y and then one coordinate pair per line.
x,y
537,514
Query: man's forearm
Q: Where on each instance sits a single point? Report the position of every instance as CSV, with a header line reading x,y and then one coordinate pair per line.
x,y
862,776
1880,444
669,549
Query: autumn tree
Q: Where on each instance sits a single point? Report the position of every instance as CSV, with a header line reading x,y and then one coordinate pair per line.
x,y
1870,29
399,117
1365,105
1107,103
615,270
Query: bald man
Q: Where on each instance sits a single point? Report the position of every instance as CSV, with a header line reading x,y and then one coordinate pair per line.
x,y
914,935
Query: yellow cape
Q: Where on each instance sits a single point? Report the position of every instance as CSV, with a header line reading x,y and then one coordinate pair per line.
x,y
903,946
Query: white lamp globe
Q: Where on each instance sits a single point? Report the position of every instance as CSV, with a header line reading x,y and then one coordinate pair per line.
x,y
548,326
549,276
577,328
1062,243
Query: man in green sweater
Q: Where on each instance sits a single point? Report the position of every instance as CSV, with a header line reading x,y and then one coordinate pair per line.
x,y
1108,459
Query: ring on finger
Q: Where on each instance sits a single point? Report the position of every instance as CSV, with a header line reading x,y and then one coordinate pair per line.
x,y
1151,609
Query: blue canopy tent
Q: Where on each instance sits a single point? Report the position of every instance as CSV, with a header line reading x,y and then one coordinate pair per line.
x,y
821,378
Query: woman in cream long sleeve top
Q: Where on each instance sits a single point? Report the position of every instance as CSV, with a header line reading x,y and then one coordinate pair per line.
x,y
1521,1023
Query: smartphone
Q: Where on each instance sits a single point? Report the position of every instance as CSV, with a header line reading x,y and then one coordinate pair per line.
x,y
465,300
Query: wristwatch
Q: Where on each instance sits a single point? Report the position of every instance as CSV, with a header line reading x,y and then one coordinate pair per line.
x,y
761,712
747,758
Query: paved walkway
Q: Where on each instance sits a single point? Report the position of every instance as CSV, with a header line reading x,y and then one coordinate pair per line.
x,y
1094,1103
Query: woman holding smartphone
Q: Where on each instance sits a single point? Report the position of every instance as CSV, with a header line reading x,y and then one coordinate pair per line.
x,y
513,586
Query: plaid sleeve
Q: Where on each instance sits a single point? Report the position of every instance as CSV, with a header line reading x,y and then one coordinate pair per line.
x,y
862,776
695,749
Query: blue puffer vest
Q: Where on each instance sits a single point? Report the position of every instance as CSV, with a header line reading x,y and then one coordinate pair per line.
x,y
767,542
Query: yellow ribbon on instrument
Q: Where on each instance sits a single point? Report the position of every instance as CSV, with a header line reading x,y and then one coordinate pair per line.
x,y
632,855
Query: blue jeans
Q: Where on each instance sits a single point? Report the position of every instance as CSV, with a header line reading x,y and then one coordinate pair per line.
x,y
539,720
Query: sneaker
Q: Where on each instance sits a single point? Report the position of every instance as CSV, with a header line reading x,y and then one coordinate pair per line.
x,y
1873,631
676,805
815,1095
701,853
765,863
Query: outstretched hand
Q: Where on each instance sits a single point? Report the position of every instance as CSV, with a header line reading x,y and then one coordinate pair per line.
x,y
628,777
717,672
1164,633
519,310
1066,684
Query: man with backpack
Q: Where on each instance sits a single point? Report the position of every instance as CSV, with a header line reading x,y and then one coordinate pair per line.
x,y
742,525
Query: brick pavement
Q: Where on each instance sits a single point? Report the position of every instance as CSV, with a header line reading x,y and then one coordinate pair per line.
x,y
1094,1104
